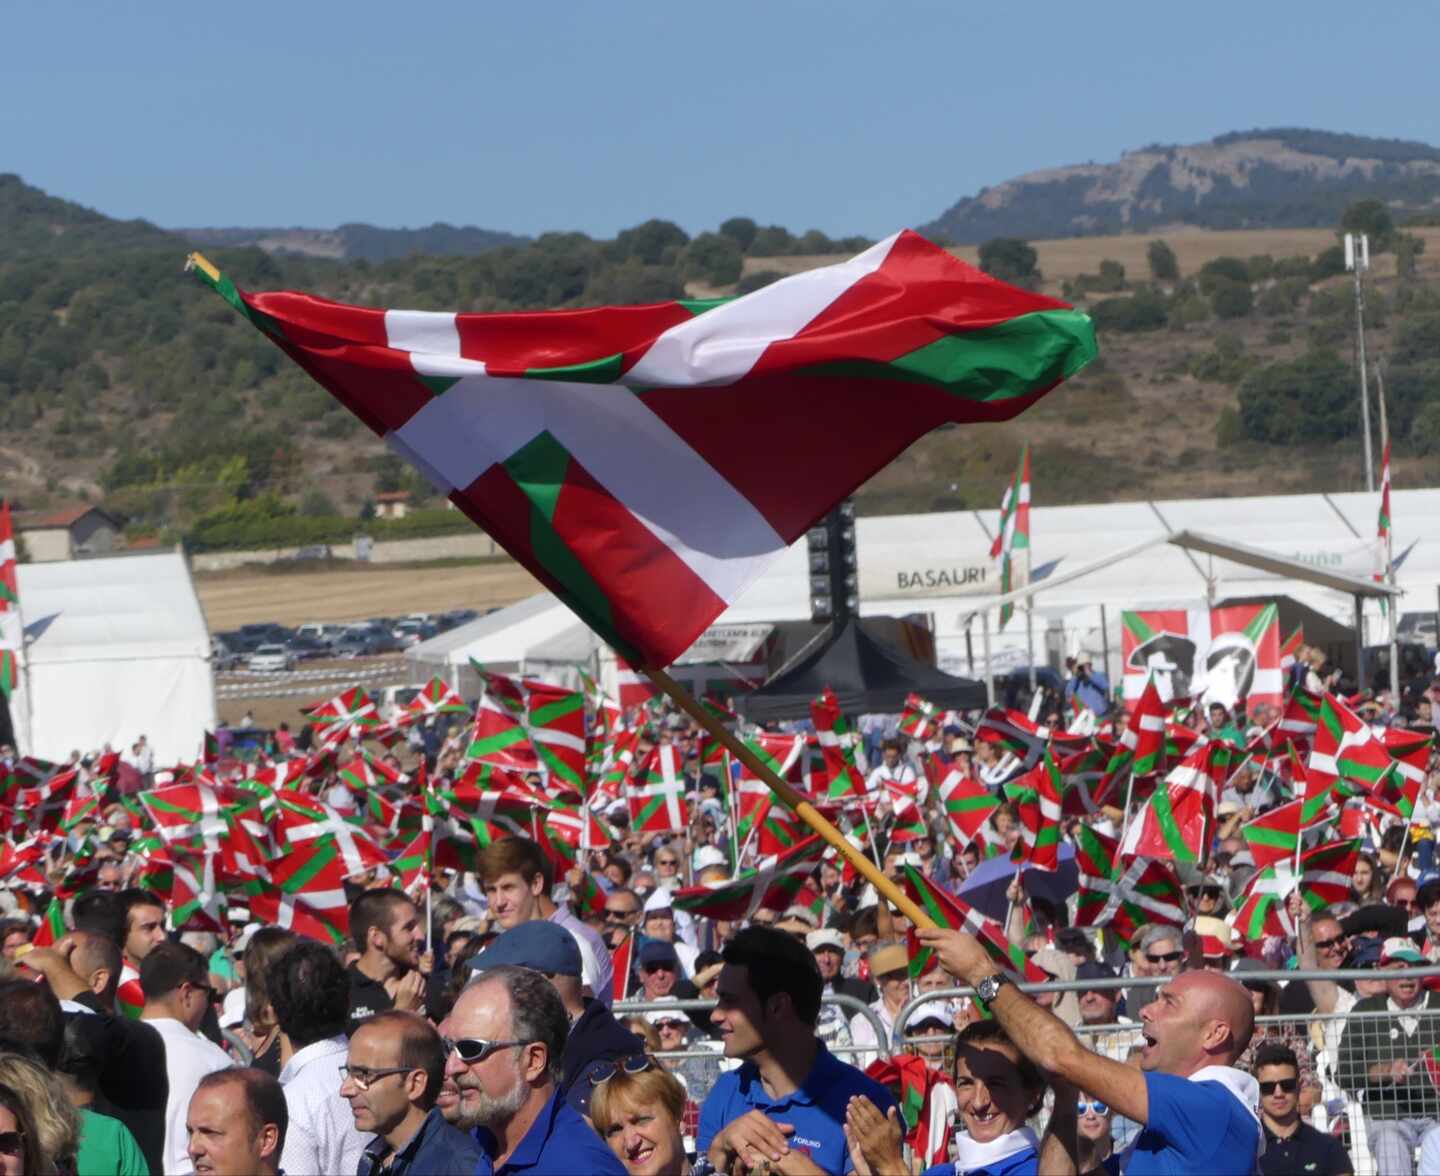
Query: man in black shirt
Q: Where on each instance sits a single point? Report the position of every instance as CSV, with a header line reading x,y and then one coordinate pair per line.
x,y
1291,1144
389,933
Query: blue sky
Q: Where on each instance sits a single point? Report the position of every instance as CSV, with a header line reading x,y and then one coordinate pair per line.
x,y
525,116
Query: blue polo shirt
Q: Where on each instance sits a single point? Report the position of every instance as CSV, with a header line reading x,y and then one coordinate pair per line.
x,y
559,1143
1193,1129
816,1109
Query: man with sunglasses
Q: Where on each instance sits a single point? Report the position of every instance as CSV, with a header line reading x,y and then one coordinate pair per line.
x,y
504,1042
391,1079
176,983
1291,1144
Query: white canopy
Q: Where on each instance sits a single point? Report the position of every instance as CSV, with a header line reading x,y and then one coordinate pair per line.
x,y
115,648
939,564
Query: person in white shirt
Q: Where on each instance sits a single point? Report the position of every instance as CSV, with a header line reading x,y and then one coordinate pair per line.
x,y
311,998
176,983
894,771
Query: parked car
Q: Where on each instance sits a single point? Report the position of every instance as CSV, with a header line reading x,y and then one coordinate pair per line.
x,y
222,655
266,632
305,647
326,631
270,659
411,633
313,551
457,617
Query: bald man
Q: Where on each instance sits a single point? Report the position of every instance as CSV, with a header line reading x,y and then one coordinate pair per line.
x,y
1200,1115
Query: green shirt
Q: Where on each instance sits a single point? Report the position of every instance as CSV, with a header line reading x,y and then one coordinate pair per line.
x,y
107,1148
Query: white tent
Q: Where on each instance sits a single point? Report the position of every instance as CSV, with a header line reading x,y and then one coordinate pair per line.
x,y
536,637
115,648
939,565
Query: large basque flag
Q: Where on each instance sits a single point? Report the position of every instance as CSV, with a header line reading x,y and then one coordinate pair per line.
x,y
646,462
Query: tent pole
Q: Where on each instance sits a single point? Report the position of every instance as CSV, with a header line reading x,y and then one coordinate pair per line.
x,y
1359,643
1105,649
802,807
985,649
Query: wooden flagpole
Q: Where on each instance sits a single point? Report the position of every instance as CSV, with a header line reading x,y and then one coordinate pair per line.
x,y
802,807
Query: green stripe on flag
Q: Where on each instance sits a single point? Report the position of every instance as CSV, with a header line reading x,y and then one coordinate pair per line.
x,y
1001,362
538,470
1137,626
1169,829
1266,617
593,371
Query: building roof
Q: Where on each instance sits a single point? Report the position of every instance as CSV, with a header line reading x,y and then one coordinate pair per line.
x,y
393,496
66,517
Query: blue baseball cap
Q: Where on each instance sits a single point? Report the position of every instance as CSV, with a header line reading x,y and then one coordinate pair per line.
x,y
546,947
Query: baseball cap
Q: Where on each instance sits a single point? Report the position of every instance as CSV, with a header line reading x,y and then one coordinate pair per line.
x,y
660,1016
657,951
825,937
1091,970
935,1012
659,900
710,855
1364,952
546,947
1398,949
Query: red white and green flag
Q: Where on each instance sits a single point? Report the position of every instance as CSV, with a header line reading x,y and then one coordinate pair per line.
x,y
1325,876
1087,789
12,631
1345,748
837,747
1146,732
1013,534
920,719
613,451
437,698
655,793
351,714
52,926
1039,797
968,805
772,885
1274,836
1180,815
307,893
947,910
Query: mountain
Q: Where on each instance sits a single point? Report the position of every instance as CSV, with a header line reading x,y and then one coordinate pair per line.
x,y
353,242
35,224
1279,178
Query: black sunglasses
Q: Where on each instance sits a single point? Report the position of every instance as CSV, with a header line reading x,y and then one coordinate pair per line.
x,y
10,1142
476,1049
1168,957
1288,1085
662,967
604,1071
1327,944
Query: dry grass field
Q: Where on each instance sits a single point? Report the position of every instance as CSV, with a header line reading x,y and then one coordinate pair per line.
x,y
1069,257
351,593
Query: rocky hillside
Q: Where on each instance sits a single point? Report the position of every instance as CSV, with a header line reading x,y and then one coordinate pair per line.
x,y
1280,178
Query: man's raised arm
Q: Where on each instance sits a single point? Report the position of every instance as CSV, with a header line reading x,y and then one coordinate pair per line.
x,y
1039,1035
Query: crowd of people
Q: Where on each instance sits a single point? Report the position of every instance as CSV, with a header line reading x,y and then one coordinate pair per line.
x,y
478,1017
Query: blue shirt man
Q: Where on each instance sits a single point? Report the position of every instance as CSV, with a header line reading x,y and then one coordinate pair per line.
x,y
789,1093
559,1143
816,1109
1196,1124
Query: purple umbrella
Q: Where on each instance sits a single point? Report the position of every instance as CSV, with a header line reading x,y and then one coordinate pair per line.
x,y
985,888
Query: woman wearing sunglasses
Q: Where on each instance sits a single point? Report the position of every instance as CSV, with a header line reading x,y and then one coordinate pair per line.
x,y
637,1108
1093,1132
20,1152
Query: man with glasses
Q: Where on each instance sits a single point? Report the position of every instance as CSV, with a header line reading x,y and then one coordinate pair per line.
x,y
659,923
391,1078
1291,1144
176,982
311,999
504,1041
622,915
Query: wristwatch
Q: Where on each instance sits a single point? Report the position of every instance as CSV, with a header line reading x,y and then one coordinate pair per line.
x,y
989,988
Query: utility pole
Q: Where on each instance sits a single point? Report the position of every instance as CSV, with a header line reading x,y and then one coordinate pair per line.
x,y
1392,605
1357,261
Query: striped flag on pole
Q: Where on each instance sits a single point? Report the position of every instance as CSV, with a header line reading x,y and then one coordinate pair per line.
x,y
1014,532
613,450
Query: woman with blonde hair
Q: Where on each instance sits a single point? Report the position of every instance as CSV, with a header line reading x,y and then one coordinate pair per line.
x,y
54,1122
638,1108
20,1152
